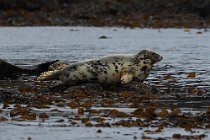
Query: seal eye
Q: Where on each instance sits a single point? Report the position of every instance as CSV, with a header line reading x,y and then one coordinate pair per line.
x,y
144,68
153,54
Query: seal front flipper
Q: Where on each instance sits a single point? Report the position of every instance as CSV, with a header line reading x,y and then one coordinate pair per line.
x,y
126,76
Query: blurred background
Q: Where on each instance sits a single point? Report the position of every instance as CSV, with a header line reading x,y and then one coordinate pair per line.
x,y
132,13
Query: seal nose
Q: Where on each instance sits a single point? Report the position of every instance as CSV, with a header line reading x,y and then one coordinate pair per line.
x,y
160,58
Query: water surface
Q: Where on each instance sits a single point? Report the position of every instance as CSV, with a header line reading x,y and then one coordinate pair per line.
x,y
184,51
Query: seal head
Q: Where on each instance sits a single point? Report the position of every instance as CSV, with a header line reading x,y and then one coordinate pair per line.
x,y
148,54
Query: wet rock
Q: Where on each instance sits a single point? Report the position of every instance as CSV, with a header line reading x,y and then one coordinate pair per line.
x,y
43,115
9,95
95,88
103,37
3,119
99,131
88,87
13,96
20,111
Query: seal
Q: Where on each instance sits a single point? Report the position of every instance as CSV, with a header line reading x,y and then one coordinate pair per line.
x,y
117,69
10,71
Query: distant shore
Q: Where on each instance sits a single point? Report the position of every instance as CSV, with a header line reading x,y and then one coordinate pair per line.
x,y
135,13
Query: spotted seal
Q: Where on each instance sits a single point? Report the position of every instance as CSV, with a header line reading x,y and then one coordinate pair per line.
x,y
117,69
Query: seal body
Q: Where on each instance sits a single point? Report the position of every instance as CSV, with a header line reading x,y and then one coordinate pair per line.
x,y
118,69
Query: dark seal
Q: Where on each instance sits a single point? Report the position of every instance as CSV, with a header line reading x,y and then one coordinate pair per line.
x,y
117,69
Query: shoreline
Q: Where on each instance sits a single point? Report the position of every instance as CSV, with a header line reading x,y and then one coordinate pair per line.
x,y
106,13
153,24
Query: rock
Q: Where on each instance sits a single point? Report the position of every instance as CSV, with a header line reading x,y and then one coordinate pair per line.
x,y
134,86
95,88
14,96
9,95
88,87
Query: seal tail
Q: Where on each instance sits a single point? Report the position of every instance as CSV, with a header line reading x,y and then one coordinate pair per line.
x,y
49,75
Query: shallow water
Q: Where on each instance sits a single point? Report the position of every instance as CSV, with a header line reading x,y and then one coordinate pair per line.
x,y
184,51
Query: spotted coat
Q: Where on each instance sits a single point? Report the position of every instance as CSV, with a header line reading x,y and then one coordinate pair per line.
x,y
118,69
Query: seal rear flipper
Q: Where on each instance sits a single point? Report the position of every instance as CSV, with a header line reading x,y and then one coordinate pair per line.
x,y
49,75
40,68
